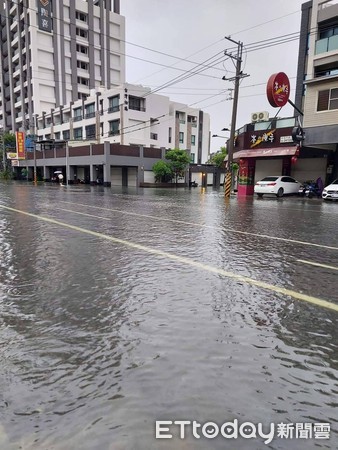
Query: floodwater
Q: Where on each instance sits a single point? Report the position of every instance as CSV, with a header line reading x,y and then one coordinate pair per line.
x,y
122,307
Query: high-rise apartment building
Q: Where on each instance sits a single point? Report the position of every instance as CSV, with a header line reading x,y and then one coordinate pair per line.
x,y
53,53
317,79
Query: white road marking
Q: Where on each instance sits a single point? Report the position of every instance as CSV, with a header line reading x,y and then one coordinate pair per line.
x,y
311,263
187,261
201,225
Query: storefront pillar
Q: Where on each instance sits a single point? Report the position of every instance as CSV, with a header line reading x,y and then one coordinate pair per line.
x,y
246,176
286,171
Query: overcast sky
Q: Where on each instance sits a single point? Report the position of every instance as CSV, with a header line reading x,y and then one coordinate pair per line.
x,y
182,28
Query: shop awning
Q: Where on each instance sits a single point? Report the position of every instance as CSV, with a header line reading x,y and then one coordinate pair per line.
x,y
265,152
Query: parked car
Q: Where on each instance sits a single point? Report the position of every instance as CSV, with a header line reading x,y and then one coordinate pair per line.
x,y
277,185
330,192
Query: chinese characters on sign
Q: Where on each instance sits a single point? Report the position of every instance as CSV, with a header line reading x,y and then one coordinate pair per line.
x,y
20,145
268,136
44,14
278,89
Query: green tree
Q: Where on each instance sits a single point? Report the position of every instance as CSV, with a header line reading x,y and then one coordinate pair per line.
x,y
8,143
179,161
162,171
10,140
218,158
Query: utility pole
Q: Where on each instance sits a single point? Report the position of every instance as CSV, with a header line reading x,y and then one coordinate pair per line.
x,y
67,164
2,141
35,170
238,76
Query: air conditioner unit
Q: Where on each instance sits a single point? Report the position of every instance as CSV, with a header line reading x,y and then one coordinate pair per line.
x,y
259,116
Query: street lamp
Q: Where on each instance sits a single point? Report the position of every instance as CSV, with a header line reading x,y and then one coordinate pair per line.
x,y
224,137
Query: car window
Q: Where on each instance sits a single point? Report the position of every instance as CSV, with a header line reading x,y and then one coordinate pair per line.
x,y
269,179
288,180
335,181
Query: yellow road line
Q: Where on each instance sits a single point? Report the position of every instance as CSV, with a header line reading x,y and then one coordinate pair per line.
x,y
311,263
261,284
201,225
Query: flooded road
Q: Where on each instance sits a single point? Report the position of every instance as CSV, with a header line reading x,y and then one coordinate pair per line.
x,y
122,307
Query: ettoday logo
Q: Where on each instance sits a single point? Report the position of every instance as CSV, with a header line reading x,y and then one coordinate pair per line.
x,y
210,430
246,430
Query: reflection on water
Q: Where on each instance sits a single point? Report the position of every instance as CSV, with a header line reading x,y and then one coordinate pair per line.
x,y
98,340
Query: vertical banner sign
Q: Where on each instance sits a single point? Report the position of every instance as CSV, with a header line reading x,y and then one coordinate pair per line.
x,y
20,145
44,15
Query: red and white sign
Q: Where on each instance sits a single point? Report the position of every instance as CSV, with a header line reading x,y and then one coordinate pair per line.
x,y
278,89
20,145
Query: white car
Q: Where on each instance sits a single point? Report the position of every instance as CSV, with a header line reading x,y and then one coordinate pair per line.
x,y
277,186
330,192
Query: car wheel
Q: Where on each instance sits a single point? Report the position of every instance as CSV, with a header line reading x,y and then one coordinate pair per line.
x,y
260,195
280,192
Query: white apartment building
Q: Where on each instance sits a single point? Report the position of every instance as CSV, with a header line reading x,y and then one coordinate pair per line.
x,y
53,53
129,115
317,81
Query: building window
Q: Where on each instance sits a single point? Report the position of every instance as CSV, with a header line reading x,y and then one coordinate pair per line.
x,y
181,137
136,103
180,116
192,158
83,81
57,135
114,104
81,32
327,72
82,96
328,32
114,126
66,135
90,132
169,136
82,49
327,100
82,65
81,16
193,139
154,136
77,114
77,134
90,111
192,119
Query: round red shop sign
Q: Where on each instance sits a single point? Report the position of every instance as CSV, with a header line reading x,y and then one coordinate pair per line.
x,y
278,89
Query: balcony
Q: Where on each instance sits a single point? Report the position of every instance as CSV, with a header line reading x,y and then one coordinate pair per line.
x,y
327,4
114,132
89,115
77,118
112,109
327,45
137,108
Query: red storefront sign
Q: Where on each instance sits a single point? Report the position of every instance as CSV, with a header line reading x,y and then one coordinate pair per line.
x,y
20,145
278,89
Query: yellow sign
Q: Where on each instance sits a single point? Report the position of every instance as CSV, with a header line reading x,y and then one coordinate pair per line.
x,y
12,155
